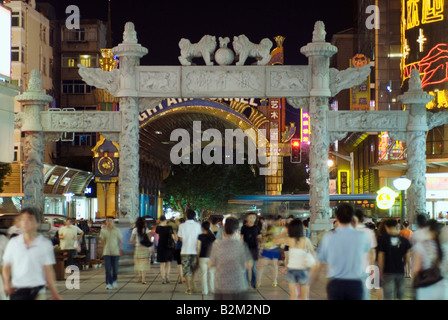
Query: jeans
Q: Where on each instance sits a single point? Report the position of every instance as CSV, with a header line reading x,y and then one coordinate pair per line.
x,y
341,289
209,273
393,286
111,264
252,282
70,255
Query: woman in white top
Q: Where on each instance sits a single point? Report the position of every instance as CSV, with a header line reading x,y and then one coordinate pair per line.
x,y
141,253
298,263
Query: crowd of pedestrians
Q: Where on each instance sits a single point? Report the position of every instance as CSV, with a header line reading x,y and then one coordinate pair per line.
x,y
230,256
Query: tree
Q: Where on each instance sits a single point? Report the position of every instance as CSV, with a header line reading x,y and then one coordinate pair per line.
x,y
207,188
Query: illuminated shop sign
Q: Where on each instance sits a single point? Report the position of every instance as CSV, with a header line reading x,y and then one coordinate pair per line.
x,y
424,45
305,128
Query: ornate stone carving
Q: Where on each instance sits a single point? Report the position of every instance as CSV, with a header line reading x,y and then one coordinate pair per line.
x,y
362,121
108,80
148,103
244,48
158,81
319,32
129,34
112,136
35,83
204,48
336,136
319,146
230,81
33,182
299,103
398,135
81,121
224,56
52,137
416,159
436,119
129,158
340,80
18,120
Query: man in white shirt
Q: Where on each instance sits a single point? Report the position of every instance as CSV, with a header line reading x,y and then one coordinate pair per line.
x,y
28,262
69,236
369,258
188,234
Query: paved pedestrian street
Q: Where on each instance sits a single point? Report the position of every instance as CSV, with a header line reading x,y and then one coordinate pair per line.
x,y
92,286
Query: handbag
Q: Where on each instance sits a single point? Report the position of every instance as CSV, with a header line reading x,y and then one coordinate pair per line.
x,y
171,244
145,240
425,278
309,261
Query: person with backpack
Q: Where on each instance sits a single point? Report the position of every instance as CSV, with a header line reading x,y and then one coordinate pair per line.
x,y
141,251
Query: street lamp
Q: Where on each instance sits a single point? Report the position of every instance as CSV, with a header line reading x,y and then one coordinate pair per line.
x,y
402,184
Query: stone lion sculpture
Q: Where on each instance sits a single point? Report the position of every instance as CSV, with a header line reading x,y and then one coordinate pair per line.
x,y
244,49
204,48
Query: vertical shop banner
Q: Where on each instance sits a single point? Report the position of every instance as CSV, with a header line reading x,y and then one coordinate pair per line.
x,y
305,128
360,95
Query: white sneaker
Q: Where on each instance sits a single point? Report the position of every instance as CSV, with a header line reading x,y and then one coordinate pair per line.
x,y
109,287
115,285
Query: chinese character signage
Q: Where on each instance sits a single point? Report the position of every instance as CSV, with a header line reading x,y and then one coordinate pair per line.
x,y
305,128
424,45
360,95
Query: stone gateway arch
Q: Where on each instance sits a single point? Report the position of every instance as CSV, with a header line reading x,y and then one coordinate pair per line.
x,y
308,87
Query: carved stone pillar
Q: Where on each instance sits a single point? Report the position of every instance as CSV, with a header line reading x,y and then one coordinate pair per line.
x,y
415,100
129,53
319,53
34,101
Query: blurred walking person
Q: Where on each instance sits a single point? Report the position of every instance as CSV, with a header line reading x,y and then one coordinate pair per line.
x,y
343,250
427,254
298,263
407,234
230,269
270,252
188,234
177,250
28,262
370,257
141,252
3,244
251,235
205,243
164,252
393,255
112,242
216,228
69,239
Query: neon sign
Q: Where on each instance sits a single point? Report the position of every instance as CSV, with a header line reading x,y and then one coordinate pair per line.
x,y
386,198
424,45
305,128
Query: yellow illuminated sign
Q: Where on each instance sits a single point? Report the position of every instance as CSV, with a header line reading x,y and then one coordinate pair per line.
x,y
344,182
432,11
386,198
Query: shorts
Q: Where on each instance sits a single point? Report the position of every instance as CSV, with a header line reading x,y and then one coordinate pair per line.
x,y
298,276
177,257
189,264
271,254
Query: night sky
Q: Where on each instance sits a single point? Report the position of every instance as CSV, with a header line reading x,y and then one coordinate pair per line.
x,y
161,24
